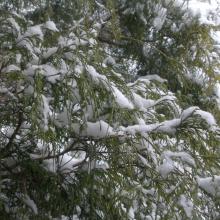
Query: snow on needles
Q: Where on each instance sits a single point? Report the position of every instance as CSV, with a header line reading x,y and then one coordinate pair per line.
x,y
99,129
51,26
168,164
30,203
210,184
120,98
187,205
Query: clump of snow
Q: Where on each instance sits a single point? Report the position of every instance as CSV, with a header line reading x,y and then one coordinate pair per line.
x,y
14,24
194,110
146,49
26,43
188,112
161,16
63,118
49,52
78,69
51,26
96,77
33,31
153,77
217,93
51,73
169,126
210,184
30,70
216,36
131,213
67,163
66,42
99,129
46,111
18,58
187,205
217,90
109,61
134,129
142,103
143,160
208,117
184,157
166,167
206,10
10,68
121,99
30,203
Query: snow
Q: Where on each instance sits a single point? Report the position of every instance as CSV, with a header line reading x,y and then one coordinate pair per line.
x,y
30,203
46,111
99,129
146,49
142,103
67,163
14,24
26,43
89,127
205,9
78,69
18,58
49,52
169,126
167,98
208,117
134,129
96,77
216,36
66,42
10,68
210,184
51,26
30,70
160,18
216,91
143,160
153,77
188,112
74,217
51,73
33,31
47,70
184,157
121,99
63,118
187,206
131,213
166,167
109,61
194,110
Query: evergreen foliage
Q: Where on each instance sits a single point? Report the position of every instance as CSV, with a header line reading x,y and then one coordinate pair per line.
x,y
109,110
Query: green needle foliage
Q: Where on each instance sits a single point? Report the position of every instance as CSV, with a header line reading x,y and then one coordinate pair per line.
x,y
108,110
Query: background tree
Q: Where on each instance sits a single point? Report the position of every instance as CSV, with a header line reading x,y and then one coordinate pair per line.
x,y
106,111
